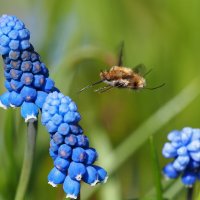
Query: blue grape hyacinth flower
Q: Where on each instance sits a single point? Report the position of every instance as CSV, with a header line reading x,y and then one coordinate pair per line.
x,y
184,150
26,77
73,158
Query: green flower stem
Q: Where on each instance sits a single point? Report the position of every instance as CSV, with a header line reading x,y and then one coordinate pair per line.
x,y
28,160
156,170
190,193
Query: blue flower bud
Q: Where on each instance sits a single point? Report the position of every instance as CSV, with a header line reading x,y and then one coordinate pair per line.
x,y
65,151
46,118
196,134
52,110
13,34
178,167
76,170
53,154
63,129
177,144
71,140
71,188
4,50
82,141
41,96
66,100
61,164
91,156
37,68
75,129
182,151
186,135
48,85
54,146
27,78
174,136
15,99
70,117
56,119
183,160
36,57
7,67
25,44
79,154
91,176
15,74
63,108
194,145
5,100
102,174
16,85
73,107
7,85
29,94
56,177
58,138
188,178
14,44
26,55
169,151
15,64
51,127
26,66
14,55
29,111
170,172
7,75
24,34
39,81
195,156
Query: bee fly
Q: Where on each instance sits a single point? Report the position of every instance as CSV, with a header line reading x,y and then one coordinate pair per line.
x,y
122,77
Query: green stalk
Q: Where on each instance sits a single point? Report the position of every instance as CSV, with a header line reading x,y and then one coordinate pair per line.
x,y
190,193
156,170
28,160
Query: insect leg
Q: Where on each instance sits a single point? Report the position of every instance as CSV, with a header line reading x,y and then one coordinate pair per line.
x,y
104,89
156,87
89,86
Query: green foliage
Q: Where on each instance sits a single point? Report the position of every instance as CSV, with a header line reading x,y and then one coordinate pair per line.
x,y
77,39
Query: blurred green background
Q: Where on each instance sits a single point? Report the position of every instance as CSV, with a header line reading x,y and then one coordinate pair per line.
x,y
77,39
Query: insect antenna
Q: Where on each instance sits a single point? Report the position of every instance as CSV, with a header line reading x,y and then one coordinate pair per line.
x,y
104,89
120,61
89,86
148,72
159,86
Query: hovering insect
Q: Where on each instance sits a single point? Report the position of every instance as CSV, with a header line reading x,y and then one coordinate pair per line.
x,y
122,77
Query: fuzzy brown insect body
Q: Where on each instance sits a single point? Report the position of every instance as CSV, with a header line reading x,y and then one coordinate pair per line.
x,y
123,77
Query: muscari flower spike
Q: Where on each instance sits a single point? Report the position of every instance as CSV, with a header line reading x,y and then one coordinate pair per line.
x,y
69,148
26,77
184,150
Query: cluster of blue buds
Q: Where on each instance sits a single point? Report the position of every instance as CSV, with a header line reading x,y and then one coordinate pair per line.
x,y
27,78
69,148
184,149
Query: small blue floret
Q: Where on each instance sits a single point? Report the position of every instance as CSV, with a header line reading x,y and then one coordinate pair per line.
x,y
71,188
56,177
29,111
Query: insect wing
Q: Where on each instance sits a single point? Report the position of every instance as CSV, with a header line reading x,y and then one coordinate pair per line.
x,y
120,61
140,69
